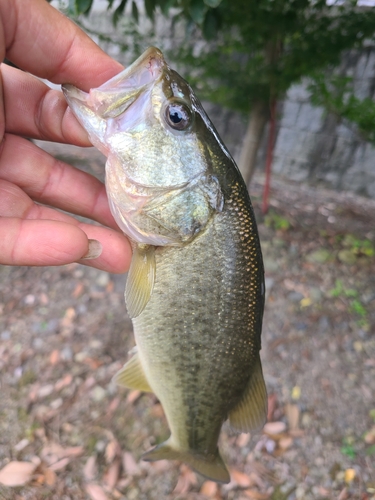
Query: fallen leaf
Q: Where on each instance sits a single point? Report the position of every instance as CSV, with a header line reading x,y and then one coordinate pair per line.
x,y
157,411
95,492
113,473
78,290
285,442
112,450
186,479
60,464
17,473
292,415
54,357
64,382
349,475
22,444
370,436
209,488
49,477
133,396
129,464
243,439
240,478
273,428
272,404
90,469
256,495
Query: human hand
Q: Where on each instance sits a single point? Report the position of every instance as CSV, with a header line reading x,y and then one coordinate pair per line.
x,y
41,41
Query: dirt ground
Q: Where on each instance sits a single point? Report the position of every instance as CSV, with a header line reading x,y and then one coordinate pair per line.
x,y
67,432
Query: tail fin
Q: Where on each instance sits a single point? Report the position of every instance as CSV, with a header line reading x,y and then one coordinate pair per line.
x,y
210,466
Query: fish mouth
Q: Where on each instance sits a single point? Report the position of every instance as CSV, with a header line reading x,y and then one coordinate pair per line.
x,y
113,97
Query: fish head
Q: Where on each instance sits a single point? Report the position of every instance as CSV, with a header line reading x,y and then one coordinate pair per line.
x,y
159,174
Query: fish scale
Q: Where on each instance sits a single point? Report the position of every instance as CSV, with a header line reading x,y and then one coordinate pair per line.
x,y
195,288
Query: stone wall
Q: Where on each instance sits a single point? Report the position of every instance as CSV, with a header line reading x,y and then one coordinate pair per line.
x,y
314,146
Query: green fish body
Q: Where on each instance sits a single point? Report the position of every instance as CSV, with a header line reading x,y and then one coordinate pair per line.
x,y
195,288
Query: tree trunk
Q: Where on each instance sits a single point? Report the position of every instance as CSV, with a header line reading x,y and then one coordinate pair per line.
x,y
257,121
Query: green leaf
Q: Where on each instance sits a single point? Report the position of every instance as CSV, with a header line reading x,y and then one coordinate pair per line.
x,y
83,6
135,13
198,11
212,3
119,12
150,6
211,24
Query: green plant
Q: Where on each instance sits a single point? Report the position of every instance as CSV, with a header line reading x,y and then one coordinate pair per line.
x,y
356,307
348,448
276,221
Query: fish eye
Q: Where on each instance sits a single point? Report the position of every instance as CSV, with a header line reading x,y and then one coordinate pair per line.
x,y
178,115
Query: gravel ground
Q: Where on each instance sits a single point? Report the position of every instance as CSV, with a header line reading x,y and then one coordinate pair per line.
x,y
67,432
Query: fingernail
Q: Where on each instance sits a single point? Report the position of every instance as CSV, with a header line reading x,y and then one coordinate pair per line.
x,y
95,249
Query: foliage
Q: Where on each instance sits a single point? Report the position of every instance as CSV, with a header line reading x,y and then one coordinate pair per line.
x,y
336,95
256,48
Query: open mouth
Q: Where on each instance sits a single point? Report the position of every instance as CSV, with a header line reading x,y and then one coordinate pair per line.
x,y
117,94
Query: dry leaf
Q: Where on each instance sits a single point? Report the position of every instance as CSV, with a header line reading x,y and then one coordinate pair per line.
x,y
273,428
186,479
17,473
113,473
349,475
22,444
292,415
112,450
90,469
272,404
95,492
54,357
63,382
243,439
60,464
78,290
285,442
210,489
157,411
256,495
240,478
129,464
133,396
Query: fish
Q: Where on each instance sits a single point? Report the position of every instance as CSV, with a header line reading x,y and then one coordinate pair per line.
x,y
195,288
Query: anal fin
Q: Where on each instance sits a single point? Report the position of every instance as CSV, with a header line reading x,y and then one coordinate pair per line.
x,y
141,278
250,414
132,375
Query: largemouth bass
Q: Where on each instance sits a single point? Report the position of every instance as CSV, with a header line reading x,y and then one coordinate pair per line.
x,y
195,288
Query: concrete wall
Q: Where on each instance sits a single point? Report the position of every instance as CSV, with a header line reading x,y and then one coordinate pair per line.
x,y
313,146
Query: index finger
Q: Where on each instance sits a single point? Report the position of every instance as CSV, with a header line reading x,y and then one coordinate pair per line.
x,y
41,40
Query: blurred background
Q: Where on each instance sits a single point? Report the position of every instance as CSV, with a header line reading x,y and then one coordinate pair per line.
x,y
289,85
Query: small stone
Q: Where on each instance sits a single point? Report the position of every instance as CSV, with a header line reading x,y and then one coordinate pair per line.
x,y
103,279
98,393
5,335
295,296
45,391
29,300
318,256
56,403
66,354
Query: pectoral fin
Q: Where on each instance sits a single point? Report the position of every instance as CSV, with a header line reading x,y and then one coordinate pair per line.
x,y
132,375
140,280
250,414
